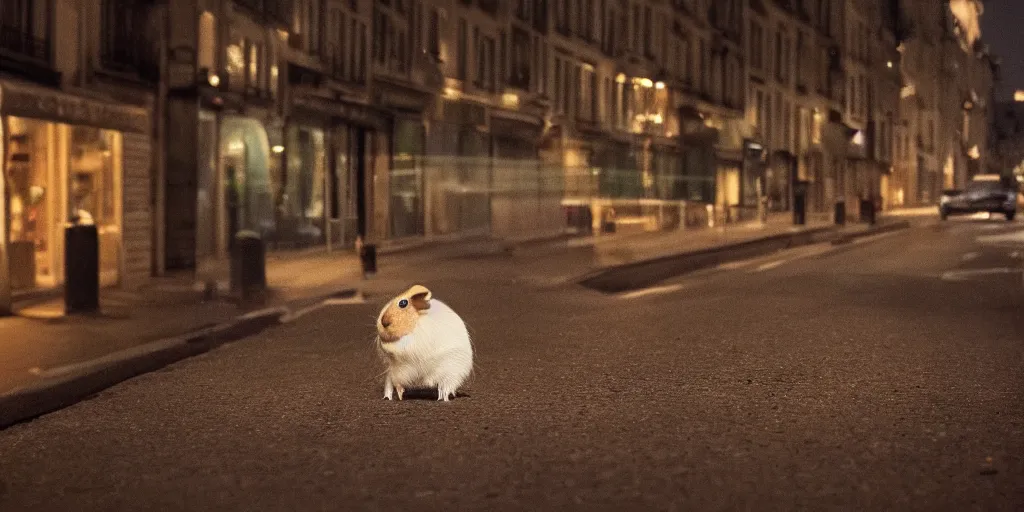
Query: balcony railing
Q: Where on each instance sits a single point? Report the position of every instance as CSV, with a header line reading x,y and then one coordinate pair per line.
x,y
16,40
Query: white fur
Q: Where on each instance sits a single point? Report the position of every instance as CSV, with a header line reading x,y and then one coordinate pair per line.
x,y
437,354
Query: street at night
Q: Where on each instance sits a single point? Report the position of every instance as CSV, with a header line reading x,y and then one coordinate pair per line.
x,y
886,374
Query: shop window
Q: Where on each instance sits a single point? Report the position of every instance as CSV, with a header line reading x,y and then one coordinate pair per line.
x,y
94,168
301,212
34,198
57,173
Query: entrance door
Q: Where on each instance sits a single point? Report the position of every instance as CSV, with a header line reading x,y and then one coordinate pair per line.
x,y
34,193
234,193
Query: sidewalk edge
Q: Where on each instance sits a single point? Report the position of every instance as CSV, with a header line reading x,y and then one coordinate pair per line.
x,y
74,383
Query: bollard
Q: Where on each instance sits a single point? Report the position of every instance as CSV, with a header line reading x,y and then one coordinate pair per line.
x,y
248,264
368,259
81,269
867,211
800,203
840,213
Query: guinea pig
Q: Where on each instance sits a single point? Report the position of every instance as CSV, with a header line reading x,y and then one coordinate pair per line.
x,y
424,344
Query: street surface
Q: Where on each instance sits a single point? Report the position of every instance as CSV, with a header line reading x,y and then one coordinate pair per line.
x,y
886,374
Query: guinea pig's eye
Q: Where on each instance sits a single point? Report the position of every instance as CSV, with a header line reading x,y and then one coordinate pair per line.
x,y
403,303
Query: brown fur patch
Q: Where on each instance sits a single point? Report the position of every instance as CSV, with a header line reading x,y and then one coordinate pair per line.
x,y
396,321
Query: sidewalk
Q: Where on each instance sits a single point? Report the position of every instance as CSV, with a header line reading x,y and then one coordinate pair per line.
x,y
40,337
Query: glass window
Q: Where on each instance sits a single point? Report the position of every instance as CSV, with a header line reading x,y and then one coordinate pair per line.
x,y
34,203
302,205
206,197
94,173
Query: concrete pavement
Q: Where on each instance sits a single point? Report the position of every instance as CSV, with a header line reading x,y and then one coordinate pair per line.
x,y
852,377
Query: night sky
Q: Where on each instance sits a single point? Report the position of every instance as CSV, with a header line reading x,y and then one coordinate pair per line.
x,y
1001,28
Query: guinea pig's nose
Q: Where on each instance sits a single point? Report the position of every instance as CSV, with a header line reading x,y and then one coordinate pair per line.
x,y
385,322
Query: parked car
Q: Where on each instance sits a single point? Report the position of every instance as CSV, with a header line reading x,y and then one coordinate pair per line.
x,y
985,193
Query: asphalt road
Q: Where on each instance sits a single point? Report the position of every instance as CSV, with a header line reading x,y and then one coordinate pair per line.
x,y
873,376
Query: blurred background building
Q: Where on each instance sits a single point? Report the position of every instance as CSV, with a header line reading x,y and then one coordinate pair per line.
x,y
317,123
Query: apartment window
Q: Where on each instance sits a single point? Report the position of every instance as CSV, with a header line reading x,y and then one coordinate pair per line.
x,y
416,21
254,66
703,70
800,61
123,25
636,35
648,34
463,48
778,54
434,33
207,57
234,62
687,60
485,62
756,46
562,16
519,75
587,95
558,87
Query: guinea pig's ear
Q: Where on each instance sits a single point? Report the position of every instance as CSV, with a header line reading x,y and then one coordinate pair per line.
x,y
419,295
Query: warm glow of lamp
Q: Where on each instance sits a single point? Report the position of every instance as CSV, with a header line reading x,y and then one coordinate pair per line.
x,y
888,64
657,119
647,83
858,138
659,85
620,78
214,80
974,152
451,92
510,100
1018,96
278,149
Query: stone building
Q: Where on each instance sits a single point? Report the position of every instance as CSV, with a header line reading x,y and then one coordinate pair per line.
x,y
76,96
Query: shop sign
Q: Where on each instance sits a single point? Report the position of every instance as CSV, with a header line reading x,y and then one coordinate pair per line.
x,y
39,103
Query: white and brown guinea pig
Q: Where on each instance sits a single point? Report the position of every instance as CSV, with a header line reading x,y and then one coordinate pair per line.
x,y
424,344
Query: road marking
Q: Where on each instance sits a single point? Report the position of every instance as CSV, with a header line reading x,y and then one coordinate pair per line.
x,y
970,256
651,291
963,275
770,265
1015,254
1012,237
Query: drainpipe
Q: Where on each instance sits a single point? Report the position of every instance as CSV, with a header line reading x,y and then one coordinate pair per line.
x,y
160,129
5,276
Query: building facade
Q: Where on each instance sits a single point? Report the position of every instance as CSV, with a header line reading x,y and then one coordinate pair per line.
x,y
76,95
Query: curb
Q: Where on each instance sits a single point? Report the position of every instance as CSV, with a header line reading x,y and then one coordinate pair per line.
x,y
65,386
643,274
878,229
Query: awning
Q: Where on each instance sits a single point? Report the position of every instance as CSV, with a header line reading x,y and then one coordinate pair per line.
x,y
23,99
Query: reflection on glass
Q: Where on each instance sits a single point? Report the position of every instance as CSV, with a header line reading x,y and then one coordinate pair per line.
x,y
30,184
206,198
245,155
94,168
301,214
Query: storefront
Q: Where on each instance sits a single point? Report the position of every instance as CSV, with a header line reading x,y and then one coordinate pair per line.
x,y
235,160
68,159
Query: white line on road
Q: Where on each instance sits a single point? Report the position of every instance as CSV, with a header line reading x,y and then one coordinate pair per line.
x,y
963,275
651,291
770,265
970,256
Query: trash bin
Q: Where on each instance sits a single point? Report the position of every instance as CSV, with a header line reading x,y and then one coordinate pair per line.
x,y
368,258
800,203
248,264
867,211
840,213
81,269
